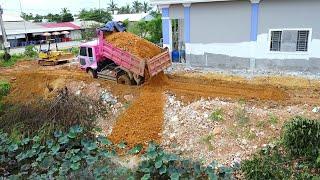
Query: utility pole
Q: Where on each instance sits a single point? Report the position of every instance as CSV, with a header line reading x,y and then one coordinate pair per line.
x,y
6,44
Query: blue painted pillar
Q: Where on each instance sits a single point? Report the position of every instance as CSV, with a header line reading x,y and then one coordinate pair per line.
x,y
254,20
187,23
165,25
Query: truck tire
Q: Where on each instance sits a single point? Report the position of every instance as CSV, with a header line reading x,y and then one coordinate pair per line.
x,y
124,79
92,73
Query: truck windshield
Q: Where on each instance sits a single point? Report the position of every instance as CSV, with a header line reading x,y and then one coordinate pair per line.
x,y
83,51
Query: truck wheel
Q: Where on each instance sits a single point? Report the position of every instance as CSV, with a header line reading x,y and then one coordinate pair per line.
x,y
124,79
92,73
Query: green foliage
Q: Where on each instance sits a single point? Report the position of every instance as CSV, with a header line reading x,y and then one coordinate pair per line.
x,y
268,164
31,51
98,15
151,30
207,141
295,157
4,88
12,61
64,16
158,164
90,33
124,9
242,116
217,115
76,153
273,119
301,137
65,154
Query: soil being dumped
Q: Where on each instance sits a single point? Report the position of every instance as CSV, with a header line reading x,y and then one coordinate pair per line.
x,y
142,122
134,44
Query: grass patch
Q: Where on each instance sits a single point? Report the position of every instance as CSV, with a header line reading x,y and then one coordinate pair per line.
x,y
207,141
241,116
273,119
217,115
30,53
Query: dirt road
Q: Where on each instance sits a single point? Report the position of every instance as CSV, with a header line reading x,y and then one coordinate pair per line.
x,y
143,120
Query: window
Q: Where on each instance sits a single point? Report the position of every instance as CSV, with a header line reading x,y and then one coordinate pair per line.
x,y
289,40
83,51
90,52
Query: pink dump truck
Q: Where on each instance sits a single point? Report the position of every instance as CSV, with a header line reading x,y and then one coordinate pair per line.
x,y
101,59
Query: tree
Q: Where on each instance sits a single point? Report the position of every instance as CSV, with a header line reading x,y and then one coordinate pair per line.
x,y
112,6
53,17
136,6
26,16
155,27
150,30
125,9
66,16
99,15
146,7
37,18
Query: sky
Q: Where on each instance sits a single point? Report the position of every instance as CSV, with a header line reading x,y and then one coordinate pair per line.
x,y
54,6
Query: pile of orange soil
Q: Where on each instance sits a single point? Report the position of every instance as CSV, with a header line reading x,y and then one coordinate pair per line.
x,y
133,44
142,122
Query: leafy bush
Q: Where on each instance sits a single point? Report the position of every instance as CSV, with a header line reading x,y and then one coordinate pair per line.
x,y
268,164
301,137
295,157
31,51
71,154
158,164
242,116
76,154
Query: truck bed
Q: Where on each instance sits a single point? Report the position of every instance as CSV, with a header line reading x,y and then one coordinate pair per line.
x,y
132,63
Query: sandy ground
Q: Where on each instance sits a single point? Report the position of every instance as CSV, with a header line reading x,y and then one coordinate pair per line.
x,y
175,109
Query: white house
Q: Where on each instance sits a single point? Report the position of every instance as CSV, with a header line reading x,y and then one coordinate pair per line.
x,y
244,34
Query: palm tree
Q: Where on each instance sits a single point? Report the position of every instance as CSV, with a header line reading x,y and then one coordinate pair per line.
x,y
125,9
136,6
146,7
112,6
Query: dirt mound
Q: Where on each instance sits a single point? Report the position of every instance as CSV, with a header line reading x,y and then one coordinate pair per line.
x,y
142,122
133,44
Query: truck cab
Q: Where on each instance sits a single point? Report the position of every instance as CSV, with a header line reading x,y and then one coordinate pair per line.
x,y
88,56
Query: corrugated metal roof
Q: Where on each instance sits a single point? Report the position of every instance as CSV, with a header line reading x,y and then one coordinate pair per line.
x,y
23,27
59,25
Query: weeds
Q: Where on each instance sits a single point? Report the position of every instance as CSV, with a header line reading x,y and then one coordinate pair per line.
x,y
44,116
295,157
217,115
207,141
273,119
242,116
29,53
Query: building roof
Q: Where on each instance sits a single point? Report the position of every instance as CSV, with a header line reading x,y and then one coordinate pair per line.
x,y
132,17
14,29
11,17
60,25
167,2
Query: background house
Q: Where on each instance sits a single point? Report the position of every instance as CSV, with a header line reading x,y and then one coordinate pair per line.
x,y
244,34
22,33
